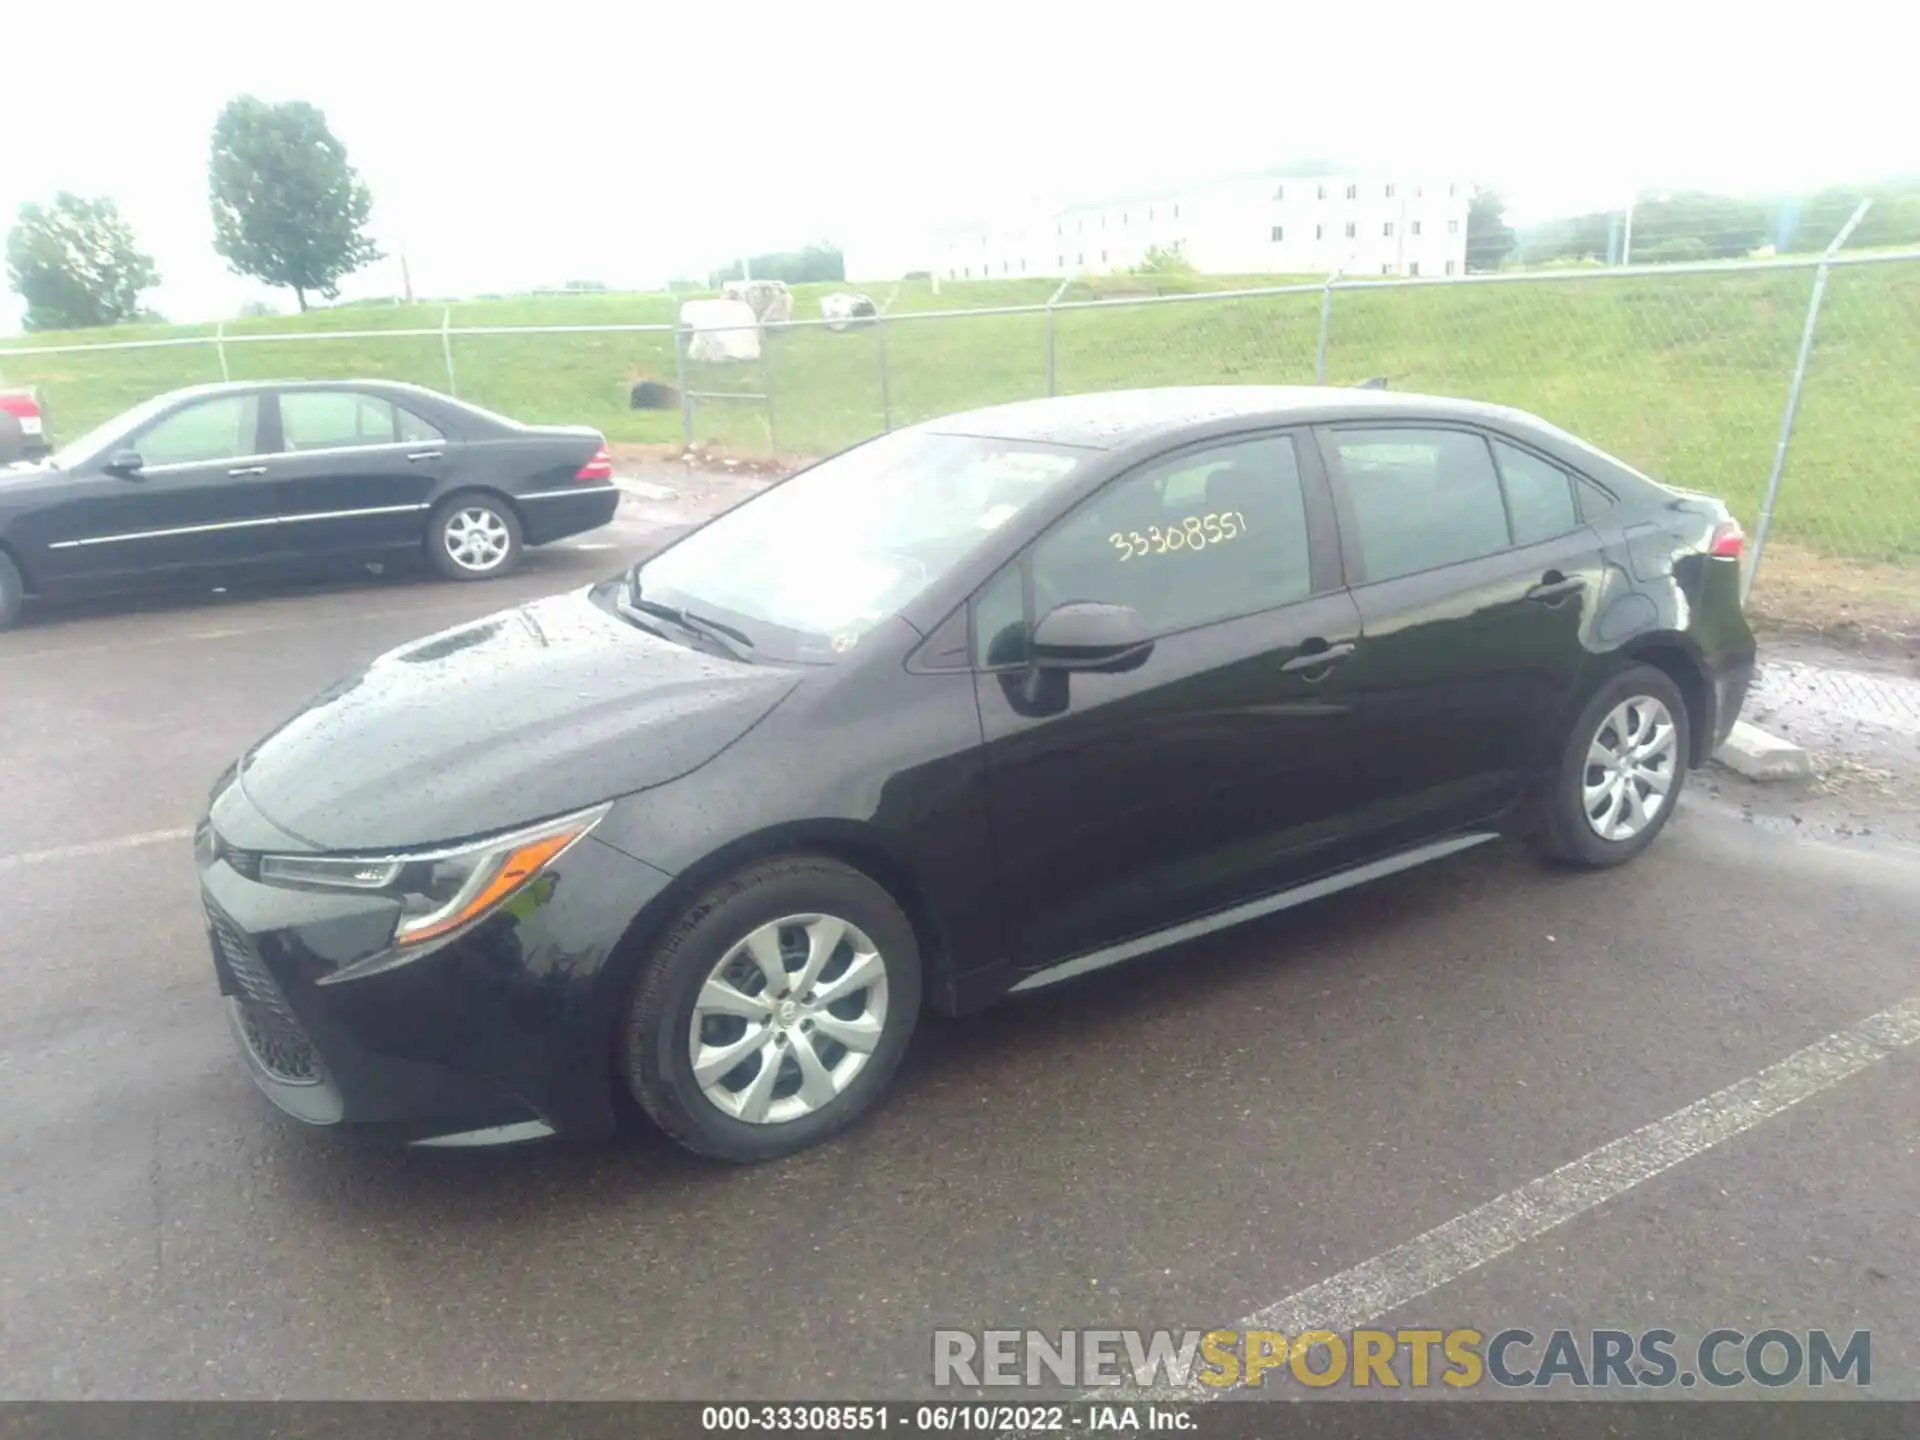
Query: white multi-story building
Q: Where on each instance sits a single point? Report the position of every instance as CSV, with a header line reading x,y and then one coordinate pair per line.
x,y
1277,223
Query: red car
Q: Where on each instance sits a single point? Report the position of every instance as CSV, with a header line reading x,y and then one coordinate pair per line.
x,y
24,434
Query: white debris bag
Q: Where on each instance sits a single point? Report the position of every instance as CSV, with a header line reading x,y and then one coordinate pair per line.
x,y
844,309
721,330
772,302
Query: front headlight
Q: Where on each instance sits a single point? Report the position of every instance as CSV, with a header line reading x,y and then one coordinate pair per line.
x,y
438,890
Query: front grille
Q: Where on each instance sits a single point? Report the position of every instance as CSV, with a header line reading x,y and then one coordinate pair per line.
x,y
273,1032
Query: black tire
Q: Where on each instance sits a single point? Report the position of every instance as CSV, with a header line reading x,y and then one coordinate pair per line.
x,y
13,590
1566,834
657,1043
494,517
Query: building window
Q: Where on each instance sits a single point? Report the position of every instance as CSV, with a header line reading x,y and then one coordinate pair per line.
x,y
1323,191
1149,212
1103,222
1416,227
966,272
1081,258
1353,192
1061,261
1386,269
1279,192
1319,232
1176,212
1103,257
1003,267
1449,267
1023,267
1279,233
1413,267
1350,229
1387,229
1453,227
1417,190
1451,191
1123,217
1389,192
1079,227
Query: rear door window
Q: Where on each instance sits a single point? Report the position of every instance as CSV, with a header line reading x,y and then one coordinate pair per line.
x,y
1539,495
1420,499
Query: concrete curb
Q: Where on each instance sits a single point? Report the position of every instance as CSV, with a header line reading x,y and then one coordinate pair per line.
x,y
1752,752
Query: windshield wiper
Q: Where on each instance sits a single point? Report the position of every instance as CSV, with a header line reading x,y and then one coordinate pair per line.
x,y
725,636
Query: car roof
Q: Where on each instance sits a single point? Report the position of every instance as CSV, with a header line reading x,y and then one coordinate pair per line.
x,y
245,387
1117,419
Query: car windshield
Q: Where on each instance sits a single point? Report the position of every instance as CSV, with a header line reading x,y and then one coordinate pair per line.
x,y
824,557
98,440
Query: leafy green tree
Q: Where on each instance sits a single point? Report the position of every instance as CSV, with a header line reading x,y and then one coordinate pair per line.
x,y
795,267
287,207
76,265
1489,237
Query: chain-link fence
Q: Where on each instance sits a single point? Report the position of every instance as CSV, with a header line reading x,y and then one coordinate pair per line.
x,y
1788,387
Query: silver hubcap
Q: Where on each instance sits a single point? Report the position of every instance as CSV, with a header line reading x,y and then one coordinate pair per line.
x,y
476,538
1630,768
788,1018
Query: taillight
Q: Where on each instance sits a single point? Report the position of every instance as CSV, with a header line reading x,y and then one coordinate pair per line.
x,y
600,467
23,406
1729,540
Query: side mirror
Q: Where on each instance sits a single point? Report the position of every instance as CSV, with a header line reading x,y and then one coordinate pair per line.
x,y
1082,635
125,463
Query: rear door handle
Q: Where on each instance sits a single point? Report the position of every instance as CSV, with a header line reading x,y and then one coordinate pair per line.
x,y
425,455
249,470
1555,587
1324,658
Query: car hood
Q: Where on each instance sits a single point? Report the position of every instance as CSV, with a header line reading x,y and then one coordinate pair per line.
x,y
530,713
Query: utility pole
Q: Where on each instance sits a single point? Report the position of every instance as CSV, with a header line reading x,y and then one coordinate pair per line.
x,y
406,278
1626,240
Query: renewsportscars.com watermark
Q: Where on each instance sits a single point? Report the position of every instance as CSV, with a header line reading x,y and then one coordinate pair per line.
x,y
1199,1362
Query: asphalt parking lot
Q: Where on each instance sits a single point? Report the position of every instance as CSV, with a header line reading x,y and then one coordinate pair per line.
x,y
1184,1143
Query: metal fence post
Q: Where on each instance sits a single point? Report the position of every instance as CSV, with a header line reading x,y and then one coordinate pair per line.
x,y
886,390
680,384
1052,300
1793,397
220,344
766,383
1326,324
446,346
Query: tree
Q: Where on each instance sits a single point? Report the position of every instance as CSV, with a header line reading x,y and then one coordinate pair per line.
x,y
76,265
1489,237
796,267
287,207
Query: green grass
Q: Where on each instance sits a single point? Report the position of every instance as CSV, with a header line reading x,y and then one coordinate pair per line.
x,y
1684,376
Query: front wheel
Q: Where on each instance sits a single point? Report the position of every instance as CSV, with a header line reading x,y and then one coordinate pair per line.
x,y
775,1012
474,537
1621,772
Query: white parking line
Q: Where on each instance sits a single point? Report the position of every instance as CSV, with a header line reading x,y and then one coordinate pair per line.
x,y
93,847
1361,1295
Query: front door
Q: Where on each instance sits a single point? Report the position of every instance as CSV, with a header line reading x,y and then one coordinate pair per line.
x,y
356,472
1220,768
1475,578
201,498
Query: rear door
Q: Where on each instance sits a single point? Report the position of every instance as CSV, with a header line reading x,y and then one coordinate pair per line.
x,y
355,472
1475,577
200,499
1219,769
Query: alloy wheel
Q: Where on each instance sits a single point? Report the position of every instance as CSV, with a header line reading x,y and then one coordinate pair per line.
x,y
476,539
788,1018
1630,770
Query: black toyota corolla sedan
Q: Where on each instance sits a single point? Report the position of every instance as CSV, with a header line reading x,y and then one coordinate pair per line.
x,y
259,476
973,708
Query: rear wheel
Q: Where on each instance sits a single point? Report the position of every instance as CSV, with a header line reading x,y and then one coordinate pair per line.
x,y
13,590
775,1012
1621,772
474,537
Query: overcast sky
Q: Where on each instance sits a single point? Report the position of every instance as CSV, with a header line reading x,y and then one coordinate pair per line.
x,y
520,145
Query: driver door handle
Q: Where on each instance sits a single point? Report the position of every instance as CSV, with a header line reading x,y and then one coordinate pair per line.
x,y
419,455
1555,587
1323,658
248,470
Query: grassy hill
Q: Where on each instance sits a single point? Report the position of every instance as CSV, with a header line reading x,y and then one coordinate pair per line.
x,y
1683,375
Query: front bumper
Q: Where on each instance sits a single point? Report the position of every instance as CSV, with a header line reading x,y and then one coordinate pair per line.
x,y
503,1030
